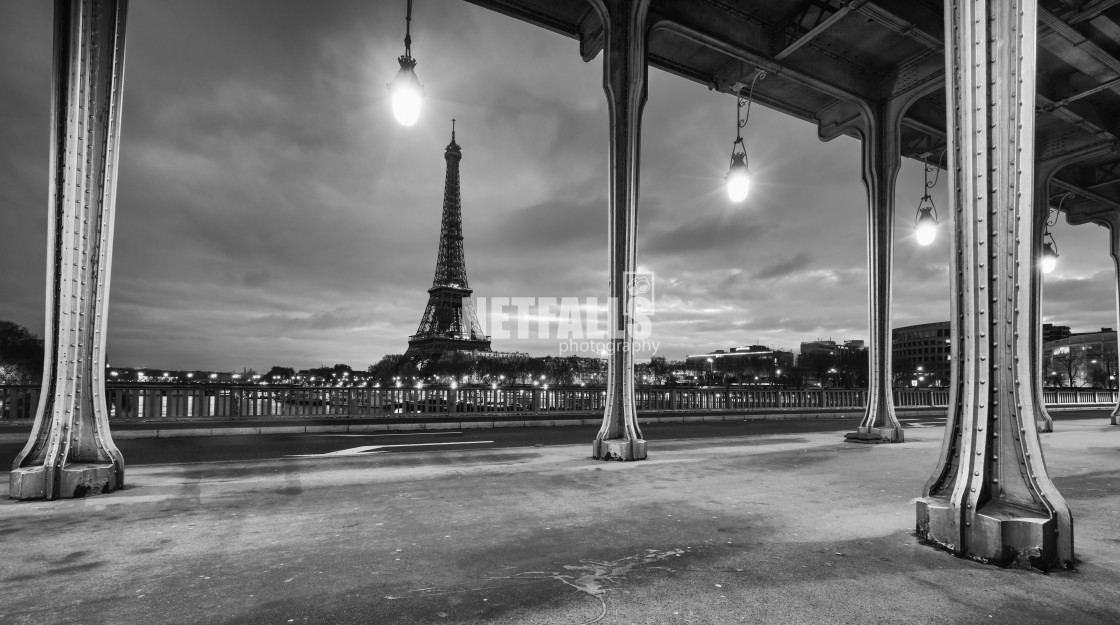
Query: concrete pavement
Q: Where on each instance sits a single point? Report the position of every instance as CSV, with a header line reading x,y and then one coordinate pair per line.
x,y
795,528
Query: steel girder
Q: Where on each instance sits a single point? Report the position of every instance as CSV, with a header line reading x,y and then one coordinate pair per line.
x,y
70,452
990,497
624,82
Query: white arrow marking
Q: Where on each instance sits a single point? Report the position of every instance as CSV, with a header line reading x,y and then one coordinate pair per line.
x,y
365,449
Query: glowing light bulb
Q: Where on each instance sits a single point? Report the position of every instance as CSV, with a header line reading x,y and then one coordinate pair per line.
x,y
1049,258
738,179
406,93
925,228
925,233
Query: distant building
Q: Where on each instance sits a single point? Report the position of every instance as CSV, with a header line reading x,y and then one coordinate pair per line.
x,y
921,355
1080,360
819,348
1051,332
827,363
745,363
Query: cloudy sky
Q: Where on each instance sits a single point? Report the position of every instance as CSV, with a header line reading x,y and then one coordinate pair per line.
x,y
270,210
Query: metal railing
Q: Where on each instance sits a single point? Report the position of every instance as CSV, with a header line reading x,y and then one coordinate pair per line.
x,y
149,401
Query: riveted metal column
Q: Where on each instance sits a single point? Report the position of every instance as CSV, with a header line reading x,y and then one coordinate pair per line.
x,y
70,452
624,81
881,161
1114,245
989,497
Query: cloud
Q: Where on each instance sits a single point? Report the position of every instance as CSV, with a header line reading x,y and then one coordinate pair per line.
x,y
784,267
270,212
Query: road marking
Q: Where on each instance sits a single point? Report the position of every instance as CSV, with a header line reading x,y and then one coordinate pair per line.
x,y
366,449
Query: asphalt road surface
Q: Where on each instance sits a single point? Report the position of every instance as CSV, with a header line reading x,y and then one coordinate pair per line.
x,y
146,451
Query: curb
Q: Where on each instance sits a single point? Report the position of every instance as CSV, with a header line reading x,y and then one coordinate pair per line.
x,y
239,429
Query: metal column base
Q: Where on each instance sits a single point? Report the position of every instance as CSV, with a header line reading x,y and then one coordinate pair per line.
x,y
875,435
1116,418
619,449
1044,427
75,480
1000,534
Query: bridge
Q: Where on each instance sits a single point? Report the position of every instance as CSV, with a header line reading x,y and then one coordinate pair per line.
x,y
1021,96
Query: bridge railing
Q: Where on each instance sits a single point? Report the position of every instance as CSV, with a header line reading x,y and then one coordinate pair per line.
x,y
149,401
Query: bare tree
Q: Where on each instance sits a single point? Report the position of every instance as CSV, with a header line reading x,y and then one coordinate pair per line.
x,y
1069,363
21,355
1102,367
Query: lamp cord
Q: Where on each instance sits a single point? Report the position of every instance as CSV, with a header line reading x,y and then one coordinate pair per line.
x,y
1052,215
936,170
408,31
741,120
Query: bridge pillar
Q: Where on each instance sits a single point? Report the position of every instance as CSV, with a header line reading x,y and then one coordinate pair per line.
x,y
624,82
1114,246
70,452
880,159
1040,212
990,497
1107,219
1044,170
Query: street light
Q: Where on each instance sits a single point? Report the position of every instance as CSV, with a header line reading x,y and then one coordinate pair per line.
x,y
1049,254
406,91
1049,258
925,221
925,226
739,174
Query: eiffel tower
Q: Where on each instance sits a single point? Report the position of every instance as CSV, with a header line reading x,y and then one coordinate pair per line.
x,y
449,322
